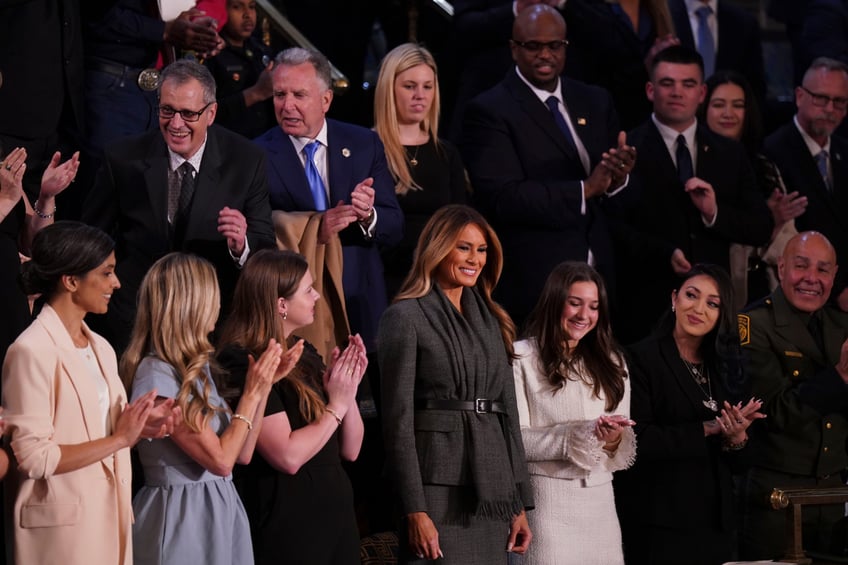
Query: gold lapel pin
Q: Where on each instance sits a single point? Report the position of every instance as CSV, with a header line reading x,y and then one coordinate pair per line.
x,y
581,121
345,152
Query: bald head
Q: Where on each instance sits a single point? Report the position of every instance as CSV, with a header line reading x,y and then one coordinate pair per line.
x,y
807,269
538,45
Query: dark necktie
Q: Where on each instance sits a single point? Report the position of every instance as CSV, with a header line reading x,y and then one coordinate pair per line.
x,y
821,163
684,160
553,105
313,177
816,330
187,184
706,43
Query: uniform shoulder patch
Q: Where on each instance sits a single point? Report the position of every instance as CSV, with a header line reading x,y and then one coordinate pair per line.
x,y
744,328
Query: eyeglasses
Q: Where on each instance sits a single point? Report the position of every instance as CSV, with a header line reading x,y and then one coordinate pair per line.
x,y
166,112
537,46
822,100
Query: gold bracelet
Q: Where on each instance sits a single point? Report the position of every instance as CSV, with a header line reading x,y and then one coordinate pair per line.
x,y
335,415
243,419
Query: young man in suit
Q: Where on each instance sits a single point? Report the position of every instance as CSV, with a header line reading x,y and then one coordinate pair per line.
x,y
796,352
693,193
188,187
814,161
337,171
542,152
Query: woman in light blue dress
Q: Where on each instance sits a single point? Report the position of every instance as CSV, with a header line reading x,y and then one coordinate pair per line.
x,y
188,510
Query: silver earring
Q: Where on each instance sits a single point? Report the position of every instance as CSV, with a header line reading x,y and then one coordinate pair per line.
x,y
672,309
285,315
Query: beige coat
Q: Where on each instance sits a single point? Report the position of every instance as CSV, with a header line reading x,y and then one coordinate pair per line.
x,y
84,516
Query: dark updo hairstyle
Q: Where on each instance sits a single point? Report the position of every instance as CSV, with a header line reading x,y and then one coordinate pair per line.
x,y
63,248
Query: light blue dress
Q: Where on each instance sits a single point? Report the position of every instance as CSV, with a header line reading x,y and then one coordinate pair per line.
x,y
184,513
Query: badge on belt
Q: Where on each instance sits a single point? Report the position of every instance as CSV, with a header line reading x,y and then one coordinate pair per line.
x,y
148,79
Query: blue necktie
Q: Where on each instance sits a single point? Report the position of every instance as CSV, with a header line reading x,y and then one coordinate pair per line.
x,y
685,171
553,104
706,43
313,177
821,163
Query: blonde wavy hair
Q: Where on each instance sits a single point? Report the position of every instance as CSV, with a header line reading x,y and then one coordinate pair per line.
x,y
437,240
400,59
178,304
253,321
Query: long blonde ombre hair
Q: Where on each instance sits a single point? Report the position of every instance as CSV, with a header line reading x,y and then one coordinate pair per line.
x,y
400,59
437,240
178,304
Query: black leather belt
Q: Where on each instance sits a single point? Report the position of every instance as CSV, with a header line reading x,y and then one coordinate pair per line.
x,y
479,405
146,79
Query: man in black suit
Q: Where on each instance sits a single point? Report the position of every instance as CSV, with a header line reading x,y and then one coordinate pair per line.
x,y
735,35
693,194
189,187
538,150
798,147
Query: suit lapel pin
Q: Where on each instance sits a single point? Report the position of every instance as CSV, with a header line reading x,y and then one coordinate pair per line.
x,y
706,148
837,156
581,121
345,152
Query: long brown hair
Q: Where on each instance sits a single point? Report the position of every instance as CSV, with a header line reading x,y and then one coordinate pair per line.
x,y
597,350
437,240
178,303
267,276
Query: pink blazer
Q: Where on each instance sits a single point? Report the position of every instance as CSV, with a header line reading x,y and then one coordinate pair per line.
x,y
84,516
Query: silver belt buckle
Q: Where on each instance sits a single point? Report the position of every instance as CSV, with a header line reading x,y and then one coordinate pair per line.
x,y
148,79
480,405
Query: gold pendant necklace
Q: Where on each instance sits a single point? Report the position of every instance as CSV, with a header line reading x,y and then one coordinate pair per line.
x,y
414,159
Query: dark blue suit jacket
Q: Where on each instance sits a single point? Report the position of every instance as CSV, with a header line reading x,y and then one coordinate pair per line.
x,y
825,211
739,42
526,180
354,154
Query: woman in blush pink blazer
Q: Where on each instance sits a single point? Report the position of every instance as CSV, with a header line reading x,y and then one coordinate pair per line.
x,y
67,412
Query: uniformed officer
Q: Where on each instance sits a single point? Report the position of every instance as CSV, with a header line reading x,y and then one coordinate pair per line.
x,y
797,361
243,80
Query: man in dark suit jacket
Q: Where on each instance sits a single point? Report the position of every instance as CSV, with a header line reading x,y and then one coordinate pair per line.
x,y
355,192
797,361
153,203
736,38
540,186
795,148
693,194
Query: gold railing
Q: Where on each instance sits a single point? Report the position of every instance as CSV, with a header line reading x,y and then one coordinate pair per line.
x,y
291,34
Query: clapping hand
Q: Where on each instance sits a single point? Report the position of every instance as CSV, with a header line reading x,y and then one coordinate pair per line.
x,y
289,360
734,419
57,177
608,429
12,170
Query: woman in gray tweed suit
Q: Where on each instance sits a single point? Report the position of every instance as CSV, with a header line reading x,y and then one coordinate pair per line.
x,y
453,444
